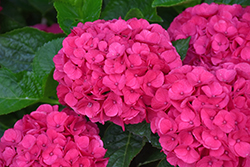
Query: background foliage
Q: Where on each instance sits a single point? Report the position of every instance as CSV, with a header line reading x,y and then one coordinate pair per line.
x,y
26,66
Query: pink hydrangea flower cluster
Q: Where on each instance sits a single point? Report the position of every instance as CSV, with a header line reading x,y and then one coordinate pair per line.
x,y
202,111
202,120
48,137
219,33
54,28
110,70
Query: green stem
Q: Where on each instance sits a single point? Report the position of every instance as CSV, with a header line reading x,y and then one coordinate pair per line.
x,y
3,126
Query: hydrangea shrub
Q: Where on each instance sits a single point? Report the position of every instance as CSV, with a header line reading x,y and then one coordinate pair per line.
x,y
148,83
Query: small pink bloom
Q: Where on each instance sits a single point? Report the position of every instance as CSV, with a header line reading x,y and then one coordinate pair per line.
x,y
213,139
225,75
113,105
168,142
219,43
205,9
60,162
245,53
8,154
133,77
187,119
201,44
56,120
187,153
88,107
225,121
180,90
115,82
213,89
151,80
72,70
83,162
94,56
161,99
239,143
131,96
114,66
51,154
199,76
147,36
71,156
118,26
28,141
115,50
208,161
11,136
207,117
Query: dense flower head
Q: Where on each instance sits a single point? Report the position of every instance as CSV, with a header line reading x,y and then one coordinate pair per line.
x,y
202,110
202,119
107,70
219,33
48,137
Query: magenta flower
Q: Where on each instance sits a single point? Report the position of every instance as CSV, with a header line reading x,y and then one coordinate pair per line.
x,y
202,115
54,28
107,69
54,144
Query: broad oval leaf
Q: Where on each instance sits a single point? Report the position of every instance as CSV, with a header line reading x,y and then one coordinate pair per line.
x,y
42,5
168,3
19,90
18,47
140,129
43,66
71,12
122,146
119,8
134,12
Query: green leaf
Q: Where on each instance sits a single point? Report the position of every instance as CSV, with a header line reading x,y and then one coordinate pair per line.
x,y
155,141
140,129
119,8
23,4
19,46
230,2
181,46
122,146
43,66
42,5
71,12
11,18
168,3
152,155
135,12
43,61
19,90
164,163
180,8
